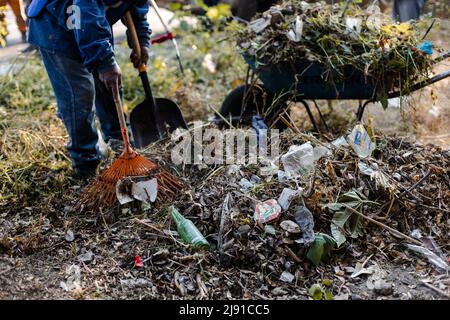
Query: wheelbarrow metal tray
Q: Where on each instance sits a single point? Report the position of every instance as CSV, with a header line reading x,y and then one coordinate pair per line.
x,y
307,80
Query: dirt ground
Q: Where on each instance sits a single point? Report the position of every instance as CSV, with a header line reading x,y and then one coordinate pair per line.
x,y
49,250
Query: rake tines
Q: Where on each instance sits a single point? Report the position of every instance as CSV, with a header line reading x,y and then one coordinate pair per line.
x,y
102,192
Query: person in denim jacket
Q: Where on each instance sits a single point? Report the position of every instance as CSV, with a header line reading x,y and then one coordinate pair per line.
x,y
405,10
76,43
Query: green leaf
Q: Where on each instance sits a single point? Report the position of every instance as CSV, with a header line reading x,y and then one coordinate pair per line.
x,y
184,25
355,226
327,282
383,98
351,196
334,206
316,292
320,249
337,225
344,220
201,4
174,6
328,295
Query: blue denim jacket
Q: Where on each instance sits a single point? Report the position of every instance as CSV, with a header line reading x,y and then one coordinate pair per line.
x,y
92,43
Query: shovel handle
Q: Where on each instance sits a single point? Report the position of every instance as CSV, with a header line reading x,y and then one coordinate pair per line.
x,y
136,46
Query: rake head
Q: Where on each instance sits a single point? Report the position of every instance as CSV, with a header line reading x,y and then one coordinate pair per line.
x,y
102,192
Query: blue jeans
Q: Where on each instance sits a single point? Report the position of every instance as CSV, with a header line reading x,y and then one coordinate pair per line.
x,y
78,92
405,10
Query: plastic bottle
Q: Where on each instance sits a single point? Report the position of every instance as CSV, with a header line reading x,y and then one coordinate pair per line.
x,y
187,230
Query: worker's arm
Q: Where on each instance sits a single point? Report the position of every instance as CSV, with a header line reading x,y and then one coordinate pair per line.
x,y
94,36
139,13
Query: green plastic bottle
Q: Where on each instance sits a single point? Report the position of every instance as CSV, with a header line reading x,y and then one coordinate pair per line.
x,y
187,230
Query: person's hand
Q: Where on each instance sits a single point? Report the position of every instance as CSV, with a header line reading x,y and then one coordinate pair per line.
x,y
142,60
111,78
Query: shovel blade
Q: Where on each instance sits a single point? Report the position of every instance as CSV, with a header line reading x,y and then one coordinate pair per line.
x,y
144,121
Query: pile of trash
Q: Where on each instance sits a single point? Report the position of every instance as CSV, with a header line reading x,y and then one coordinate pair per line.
x,y
331,215
337,37
319,198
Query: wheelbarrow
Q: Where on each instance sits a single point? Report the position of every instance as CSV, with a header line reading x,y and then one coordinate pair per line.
x,y
301,82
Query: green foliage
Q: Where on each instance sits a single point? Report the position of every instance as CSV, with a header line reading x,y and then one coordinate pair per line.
x,y
320,249
321,291
345,221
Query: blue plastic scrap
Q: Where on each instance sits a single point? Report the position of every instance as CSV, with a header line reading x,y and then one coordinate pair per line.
x,y
426,47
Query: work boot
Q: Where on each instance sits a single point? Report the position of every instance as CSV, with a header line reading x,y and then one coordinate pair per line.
x,y
84,173
30,48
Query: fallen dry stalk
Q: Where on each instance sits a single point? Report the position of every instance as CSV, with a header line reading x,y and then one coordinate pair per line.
x,y
384,226
158,230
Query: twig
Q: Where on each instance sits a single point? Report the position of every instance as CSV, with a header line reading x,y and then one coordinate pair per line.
x,y
201,286
405,191
384,226
5,271
221,116
225,210
104,220
292,255
260,296
429,29
159,231
418,183
148,225
445,294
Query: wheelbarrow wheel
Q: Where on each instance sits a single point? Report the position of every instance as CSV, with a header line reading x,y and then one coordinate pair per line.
x,y
257,100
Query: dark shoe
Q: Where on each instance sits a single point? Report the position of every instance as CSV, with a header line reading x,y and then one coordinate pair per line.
x,y
30,48
85,173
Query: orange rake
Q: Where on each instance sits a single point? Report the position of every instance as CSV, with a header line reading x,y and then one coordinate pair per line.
x,y
102,192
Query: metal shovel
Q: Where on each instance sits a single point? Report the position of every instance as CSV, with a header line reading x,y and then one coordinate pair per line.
x,y
154,118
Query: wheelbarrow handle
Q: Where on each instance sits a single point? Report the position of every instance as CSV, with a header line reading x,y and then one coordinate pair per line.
x,y
163,38
421,85
427,82
442,57
174,40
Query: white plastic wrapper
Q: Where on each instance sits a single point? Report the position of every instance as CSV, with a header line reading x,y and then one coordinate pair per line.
x,y
259,25
353,25
360,141
73,282
144,191
287,196
296,33
299,160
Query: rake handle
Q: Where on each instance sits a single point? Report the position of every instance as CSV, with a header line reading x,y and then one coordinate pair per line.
x,y
120,114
